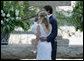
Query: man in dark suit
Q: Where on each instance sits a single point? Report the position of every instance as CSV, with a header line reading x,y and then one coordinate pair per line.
x,y
52,37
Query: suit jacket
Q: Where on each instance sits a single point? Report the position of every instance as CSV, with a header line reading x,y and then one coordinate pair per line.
x,y
53,34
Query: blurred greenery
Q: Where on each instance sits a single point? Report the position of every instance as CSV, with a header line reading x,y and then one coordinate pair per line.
x,y
74,18
25,13
77,15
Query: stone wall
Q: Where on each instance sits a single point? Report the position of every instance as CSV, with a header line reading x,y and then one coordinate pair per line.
x,y
52,3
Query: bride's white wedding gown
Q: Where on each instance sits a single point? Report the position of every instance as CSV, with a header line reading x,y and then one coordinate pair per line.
x,y
43,48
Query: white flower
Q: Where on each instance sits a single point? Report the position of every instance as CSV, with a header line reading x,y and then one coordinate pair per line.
x,y
17,18
8,15
7,20
1,11
1,21
16,12
45,16
3,14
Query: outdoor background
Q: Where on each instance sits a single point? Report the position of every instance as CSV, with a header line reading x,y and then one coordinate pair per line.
x,y
17,38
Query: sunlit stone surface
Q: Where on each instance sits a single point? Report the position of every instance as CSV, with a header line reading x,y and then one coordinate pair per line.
x,y
70,44
21,38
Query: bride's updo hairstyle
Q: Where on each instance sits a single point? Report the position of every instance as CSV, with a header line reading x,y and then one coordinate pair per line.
x,y
44,19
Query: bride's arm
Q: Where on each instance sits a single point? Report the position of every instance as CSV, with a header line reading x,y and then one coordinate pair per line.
x,y
37,37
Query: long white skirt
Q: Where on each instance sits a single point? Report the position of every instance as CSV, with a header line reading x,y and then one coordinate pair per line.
x,y
44,51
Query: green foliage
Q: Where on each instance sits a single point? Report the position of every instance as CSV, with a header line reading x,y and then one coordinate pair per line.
x,y
75,18
17,11
77,15
10,17
28,10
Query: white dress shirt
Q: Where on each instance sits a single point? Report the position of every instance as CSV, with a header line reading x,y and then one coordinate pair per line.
x,y
49,15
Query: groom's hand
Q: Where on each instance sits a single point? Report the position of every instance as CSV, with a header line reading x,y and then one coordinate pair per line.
x,y
43,38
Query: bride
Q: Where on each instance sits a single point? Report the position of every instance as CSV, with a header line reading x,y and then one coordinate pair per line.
x,y
44,28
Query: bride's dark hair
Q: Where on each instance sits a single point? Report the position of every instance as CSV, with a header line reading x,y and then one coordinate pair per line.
x,y
44,18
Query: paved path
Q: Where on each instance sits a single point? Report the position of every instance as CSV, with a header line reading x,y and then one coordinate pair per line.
x,y
56,59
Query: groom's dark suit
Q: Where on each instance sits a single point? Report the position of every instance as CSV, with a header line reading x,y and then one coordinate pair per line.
x,y
52,37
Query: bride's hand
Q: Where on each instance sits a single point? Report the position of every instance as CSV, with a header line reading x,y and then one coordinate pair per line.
x,y
33,51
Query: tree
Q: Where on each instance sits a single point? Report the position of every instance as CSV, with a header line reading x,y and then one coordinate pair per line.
x,y
75,18
13,13
77,15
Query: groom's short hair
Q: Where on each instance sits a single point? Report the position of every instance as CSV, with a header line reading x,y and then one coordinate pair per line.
x,y
48,8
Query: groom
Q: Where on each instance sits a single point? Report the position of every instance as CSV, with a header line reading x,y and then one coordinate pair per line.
x,y
52,37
